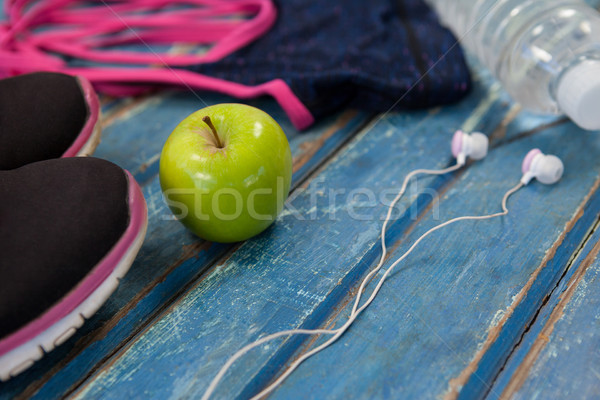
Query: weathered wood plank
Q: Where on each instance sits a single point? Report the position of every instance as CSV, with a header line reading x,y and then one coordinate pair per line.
x,y
493,368
292,275
134,135
171,257
563,361
173,283
457,290
535,358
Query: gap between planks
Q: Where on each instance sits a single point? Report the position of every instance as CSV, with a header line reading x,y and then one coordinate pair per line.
x,y
522,371
496,142
368,125
497,135
110,358
130,107
455,384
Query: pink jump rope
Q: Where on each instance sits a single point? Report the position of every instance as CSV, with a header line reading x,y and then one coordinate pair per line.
x,y
81,30
547,169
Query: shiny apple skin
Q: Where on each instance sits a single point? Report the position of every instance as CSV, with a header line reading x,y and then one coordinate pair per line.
x,y
200,180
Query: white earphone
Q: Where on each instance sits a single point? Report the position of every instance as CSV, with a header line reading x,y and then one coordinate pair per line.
x,y
547,169
474,145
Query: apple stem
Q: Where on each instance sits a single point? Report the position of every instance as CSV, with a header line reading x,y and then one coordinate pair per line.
x,y
208,122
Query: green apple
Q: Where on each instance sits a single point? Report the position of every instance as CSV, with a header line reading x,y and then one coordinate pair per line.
x,y
226,171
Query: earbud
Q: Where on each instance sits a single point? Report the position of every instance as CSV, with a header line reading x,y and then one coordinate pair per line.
x,y
547,169
474,145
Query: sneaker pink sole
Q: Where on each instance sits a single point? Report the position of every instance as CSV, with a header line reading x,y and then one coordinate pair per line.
x,y
21,349
89,137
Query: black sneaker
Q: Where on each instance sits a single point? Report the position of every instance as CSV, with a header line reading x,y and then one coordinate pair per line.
x,y
69,229
46,115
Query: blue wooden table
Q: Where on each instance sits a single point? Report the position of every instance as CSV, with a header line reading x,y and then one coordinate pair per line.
x,y
505,308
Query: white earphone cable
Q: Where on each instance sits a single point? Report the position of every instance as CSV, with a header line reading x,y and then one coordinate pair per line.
x,y
387,220
355,310
276,335
340,331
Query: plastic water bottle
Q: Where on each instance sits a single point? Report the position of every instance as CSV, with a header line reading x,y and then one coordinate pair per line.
x,y
546,53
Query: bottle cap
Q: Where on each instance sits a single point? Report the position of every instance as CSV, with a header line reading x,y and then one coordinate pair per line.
x,y
578,94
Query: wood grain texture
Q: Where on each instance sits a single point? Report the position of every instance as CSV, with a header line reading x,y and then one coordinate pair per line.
x,y
292,276
135,133
499,308
438,311
171,257
507,334
563,348
522,359
565,359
